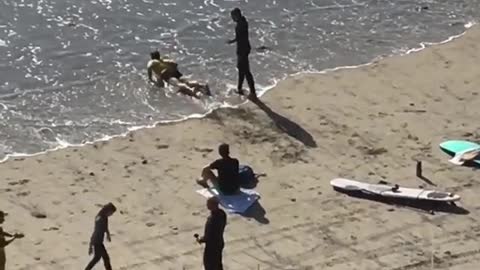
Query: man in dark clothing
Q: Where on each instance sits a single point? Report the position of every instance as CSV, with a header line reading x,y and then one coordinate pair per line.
x,y
243,50
213,236
96,241
4,242
227,180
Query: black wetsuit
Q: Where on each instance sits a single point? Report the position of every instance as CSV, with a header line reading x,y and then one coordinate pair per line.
x,y
243,50
3,259
101,227
214,228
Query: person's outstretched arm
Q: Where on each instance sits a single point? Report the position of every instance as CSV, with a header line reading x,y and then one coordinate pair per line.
x,y
90,248
150,74
6,243
232,41
235,39
212,228
206,234
7,234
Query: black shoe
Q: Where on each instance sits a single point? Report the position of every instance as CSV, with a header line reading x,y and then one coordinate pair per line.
x,y
252,96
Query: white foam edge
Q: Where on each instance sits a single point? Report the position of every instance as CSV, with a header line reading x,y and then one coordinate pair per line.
x,y
63,144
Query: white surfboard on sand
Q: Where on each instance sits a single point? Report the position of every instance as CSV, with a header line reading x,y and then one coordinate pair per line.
x,y
237,203
393,191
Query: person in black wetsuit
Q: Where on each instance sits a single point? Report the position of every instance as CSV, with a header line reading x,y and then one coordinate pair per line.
x,y
96,241
213,236
4,242
243,50
227,180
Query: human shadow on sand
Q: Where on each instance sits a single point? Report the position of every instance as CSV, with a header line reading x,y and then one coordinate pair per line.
x,y
257,212
286,125
422,205
426,180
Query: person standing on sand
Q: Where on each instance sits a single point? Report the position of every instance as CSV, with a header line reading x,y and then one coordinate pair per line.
x,y
96,241
4,242
213,236
243,50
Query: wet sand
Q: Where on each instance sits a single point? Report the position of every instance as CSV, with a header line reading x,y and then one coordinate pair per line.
x,y
370,123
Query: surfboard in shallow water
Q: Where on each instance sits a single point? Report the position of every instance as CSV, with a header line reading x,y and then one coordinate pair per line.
x,y
394,191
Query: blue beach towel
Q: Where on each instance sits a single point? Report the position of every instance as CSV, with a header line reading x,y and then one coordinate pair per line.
x,y
237,203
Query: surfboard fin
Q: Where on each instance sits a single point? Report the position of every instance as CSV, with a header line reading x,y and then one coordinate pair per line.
x,y
457,160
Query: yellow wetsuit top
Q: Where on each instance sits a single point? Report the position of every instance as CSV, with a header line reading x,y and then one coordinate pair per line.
x,y
159,66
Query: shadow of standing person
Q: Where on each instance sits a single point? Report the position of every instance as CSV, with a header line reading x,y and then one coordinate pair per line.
x,y
4,242
286,125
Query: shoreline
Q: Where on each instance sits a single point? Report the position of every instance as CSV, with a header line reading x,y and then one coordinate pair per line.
x,y
65,145
369,123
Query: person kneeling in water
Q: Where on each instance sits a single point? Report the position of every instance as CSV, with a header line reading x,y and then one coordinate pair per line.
x,y
166,70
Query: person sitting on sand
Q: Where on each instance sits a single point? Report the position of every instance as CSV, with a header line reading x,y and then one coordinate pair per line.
x,y
227,180
166,70
4,242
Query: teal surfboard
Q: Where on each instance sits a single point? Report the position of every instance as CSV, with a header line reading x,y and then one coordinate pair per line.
x,y
454,147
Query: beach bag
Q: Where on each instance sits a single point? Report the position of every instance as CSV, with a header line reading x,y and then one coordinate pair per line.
x,y
246,175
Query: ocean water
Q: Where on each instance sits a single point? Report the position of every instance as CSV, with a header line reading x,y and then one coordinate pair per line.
x,y
74,71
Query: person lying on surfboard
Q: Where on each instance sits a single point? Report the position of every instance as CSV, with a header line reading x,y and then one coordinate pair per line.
x,y
227,181
166,70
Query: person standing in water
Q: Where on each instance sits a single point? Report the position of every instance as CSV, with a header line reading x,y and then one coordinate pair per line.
x,y
4,242
96,241
243,50
213,236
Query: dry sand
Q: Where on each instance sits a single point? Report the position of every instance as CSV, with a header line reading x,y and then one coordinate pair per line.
x,y
369,123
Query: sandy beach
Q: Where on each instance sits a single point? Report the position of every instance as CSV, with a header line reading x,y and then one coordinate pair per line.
x,y
371,123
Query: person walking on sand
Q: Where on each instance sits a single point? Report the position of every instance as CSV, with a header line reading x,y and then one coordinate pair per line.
x,y
4,242
96,241
243,50
213,236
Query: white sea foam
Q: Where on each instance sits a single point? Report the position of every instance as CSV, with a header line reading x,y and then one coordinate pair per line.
x,y
219,105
